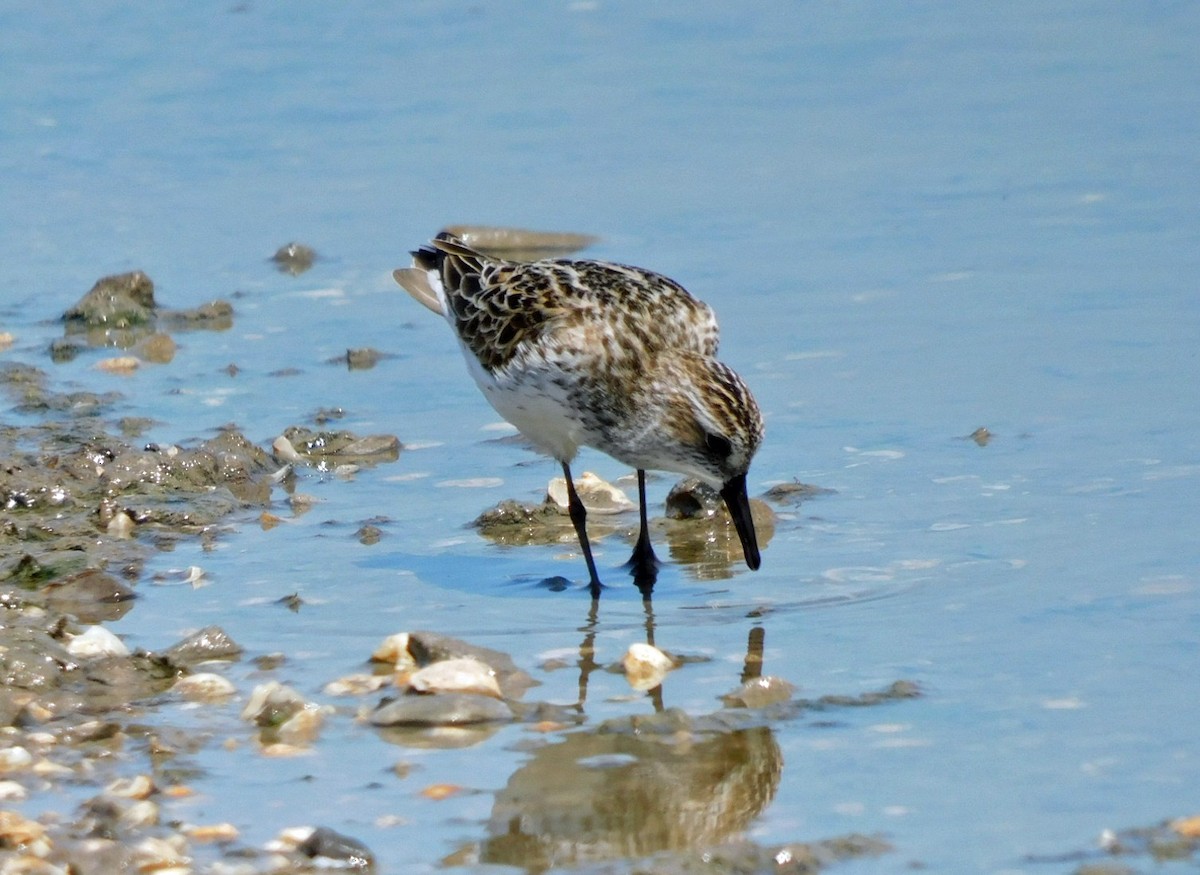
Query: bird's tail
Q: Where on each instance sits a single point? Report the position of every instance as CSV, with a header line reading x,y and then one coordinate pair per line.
x,y
427,272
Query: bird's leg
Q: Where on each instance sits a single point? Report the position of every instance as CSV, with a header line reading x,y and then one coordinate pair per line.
x,y
643,564
578,515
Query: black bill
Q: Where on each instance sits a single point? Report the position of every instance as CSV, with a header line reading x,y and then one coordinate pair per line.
x,y
734,493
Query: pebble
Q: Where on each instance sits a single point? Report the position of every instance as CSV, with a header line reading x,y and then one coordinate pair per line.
x,y
271,704
303,727
343,850
447,709
211,642
122,364
15,759
18,831
216,832
759,693
204,686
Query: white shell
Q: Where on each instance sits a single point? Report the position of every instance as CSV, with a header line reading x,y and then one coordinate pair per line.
x,y
646,666
598,496
97,642
460,675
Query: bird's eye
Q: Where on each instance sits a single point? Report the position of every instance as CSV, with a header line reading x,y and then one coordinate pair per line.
x,y
718,446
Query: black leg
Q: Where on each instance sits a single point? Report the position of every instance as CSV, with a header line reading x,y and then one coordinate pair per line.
x,y
643,564
578,515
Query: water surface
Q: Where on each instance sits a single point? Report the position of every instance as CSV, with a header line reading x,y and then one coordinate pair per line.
x,y
912,222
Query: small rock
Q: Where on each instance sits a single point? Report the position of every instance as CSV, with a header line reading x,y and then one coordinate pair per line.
x,y
981,436
122,364
271,704
342,849
18,831
690,499
363,359
447,709
795,492
759,693
216,832
15,759
211,642
294,258
117,301
204,687
303,727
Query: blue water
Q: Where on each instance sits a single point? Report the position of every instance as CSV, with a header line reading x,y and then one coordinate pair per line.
x,y
913,221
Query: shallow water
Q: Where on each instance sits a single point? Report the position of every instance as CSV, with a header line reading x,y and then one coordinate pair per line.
x,y
911,224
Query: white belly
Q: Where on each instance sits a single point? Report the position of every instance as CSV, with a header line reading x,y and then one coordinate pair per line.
x,y
533,403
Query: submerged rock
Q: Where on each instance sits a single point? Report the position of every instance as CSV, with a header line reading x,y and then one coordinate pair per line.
x,y
521,244
294,258
118,301
701,534
327,449
760,692
446,709
211,642
795,492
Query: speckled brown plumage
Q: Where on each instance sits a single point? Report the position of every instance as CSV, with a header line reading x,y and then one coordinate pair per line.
x,y
588,353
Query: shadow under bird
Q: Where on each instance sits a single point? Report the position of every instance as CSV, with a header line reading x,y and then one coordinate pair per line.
x,y
588,353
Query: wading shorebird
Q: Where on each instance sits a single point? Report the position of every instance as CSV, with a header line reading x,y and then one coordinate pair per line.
x,y
587,353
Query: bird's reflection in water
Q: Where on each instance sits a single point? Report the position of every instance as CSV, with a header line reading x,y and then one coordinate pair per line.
x,y
621,792
637,785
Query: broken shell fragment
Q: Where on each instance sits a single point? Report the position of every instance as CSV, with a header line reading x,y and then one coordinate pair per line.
x,y
598,496
272,704
394,651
